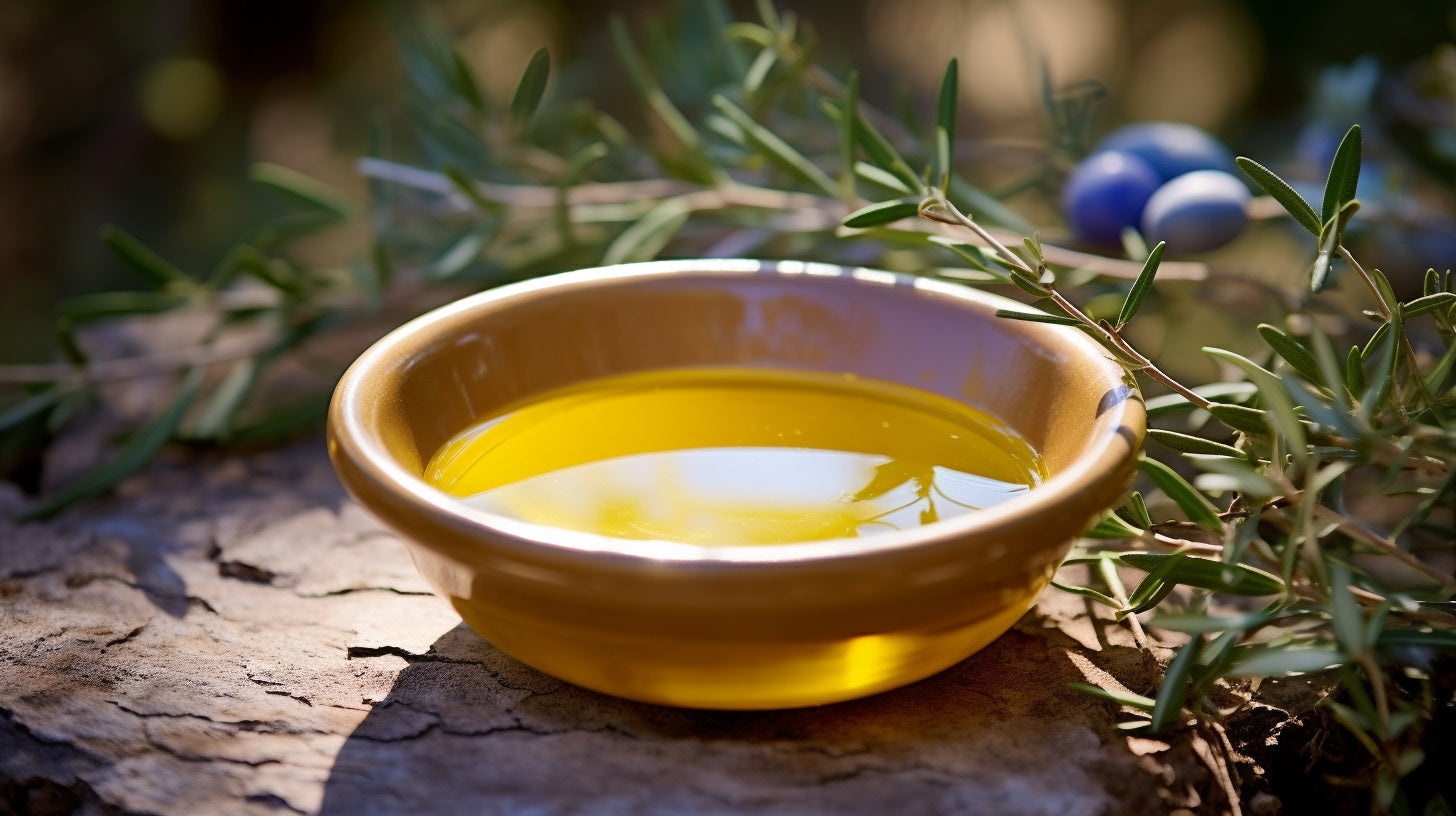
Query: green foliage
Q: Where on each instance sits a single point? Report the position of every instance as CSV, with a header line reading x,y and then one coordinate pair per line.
x,y
1252,496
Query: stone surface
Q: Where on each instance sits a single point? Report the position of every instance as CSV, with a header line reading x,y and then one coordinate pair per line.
x,y
231,635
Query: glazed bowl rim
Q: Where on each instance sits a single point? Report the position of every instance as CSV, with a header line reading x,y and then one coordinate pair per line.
x,y
351,439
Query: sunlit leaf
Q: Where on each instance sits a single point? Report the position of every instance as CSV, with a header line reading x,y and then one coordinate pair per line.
x,y
137,451
1344,175
1185,443
774,148
647,237
225,400
1271,661
1141,286
1198,509
1280,190
1438,302
1112,526
1038,317
1193,623
1237,474
301,189
1089,593
945,120
1293,351
1204,573
884,212
1126,698
1275,398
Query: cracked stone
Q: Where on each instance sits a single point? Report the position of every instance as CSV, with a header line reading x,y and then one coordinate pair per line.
x,y
232,635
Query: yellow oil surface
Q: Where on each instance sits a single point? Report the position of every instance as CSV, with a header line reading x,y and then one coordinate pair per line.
x,y
736,456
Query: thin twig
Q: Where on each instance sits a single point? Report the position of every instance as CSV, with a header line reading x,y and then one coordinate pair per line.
x,y
806,212
1370,539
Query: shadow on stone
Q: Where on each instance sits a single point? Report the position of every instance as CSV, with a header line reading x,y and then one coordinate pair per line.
x,y
466,728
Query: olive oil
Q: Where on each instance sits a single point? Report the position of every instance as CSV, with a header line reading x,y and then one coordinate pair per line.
x,y
736,456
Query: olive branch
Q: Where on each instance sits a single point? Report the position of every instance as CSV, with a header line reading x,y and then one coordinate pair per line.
x,y
1260,561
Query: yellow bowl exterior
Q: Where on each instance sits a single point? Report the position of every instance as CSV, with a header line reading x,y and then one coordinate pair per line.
x,y
732,627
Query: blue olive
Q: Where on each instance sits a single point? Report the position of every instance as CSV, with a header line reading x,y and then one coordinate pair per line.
x,y
1197,211
1105,194
1172,148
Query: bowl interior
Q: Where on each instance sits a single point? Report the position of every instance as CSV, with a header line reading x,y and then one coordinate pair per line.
x,y
465,362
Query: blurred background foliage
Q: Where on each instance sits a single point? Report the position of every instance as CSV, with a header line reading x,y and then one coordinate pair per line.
x,y
147,113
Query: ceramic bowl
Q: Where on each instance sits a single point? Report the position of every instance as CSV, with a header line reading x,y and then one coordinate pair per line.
x,y
736,627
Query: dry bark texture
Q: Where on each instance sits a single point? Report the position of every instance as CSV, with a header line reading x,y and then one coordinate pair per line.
x,y
232,635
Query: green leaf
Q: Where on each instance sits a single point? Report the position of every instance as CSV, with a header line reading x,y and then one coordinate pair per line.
x,y
138,258
875,175
758,71
1345,617
1174,687
1195,624
466,186
1274,661
1088,592
217,414
107,305
1126,698
1424,636
1384,377
884,212
1223,473
647,237
1183,443
301,189
1112,526
1435,379
1198,509
1275,398
137,451
462,81
531,89
1137,508
283,421
883,155
1344,175
1038,317
846,142
945,120
1168,403
1355,371
1330,236
773,148
1280,190
31,406
459,254
1438,302
1240,417
1204,573
1293,351
698,164
1028,285
1151,591
1141,286
986,207
750,33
